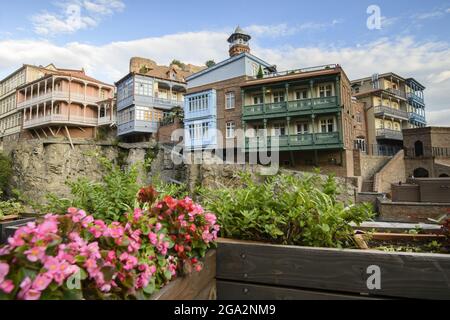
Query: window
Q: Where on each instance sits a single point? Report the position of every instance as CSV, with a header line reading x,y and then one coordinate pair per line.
x,y
327,125
302,128
230,130
229,100
198,103
258,99
360,144
205,130
278,97
325,91
301,95
418,148
358,117
143,87
279,129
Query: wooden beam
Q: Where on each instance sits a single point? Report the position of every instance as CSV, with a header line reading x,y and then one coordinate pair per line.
x,y
57,131
37,133
402,275
51,131
70,138
81,129
43,131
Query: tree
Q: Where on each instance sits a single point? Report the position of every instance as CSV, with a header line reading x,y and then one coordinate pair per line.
x,y
260,73
210,63
178,63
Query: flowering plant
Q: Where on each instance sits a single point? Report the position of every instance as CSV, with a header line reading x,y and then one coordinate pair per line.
x,y
74,256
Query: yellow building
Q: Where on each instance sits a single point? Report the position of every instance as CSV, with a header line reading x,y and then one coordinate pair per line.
x,y
10,116
391,104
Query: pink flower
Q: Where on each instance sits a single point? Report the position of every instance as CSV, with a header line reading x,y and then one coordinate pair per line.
x,y
198,267
115,230
4,270
36,253
5,250
87,221
137,214
7,286
47,227
31,295
210,218
153,270
153,238
158,227
77,215
41,282
111,256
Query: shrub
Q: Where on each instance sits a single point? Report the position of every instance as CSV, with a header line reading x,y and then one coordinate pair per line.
x,y
75,256
5,172
286,210
109,198
10,208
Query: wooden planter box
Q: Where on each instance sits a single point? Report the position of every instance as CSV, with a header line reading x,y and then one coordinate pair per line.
x,y
254,271
10,224
197,286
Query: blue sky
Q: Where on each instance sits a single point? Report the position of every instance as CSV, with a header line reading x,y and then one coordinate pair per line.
x,y
101,36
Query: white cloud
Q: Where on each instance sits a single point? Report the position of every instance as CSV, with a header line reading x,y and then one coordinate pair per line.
x,y
75,15
428,62
387,22
283,29
437,13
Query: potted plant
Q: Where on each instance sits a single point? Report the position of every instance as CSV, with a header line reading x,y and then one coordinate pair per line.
x,y
290,238
78,256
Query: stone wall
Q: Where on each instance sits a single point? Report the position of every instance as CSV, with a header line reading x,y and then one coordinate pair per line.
x,y
370,165
392,172
40,168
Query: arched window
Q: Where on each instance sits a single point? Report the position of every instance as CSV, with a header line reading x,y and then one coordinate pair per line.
x,y
418,148
421,173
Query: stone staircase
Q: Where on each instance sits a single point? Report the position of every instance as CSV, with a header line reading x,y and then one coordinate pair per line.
x,y
368,185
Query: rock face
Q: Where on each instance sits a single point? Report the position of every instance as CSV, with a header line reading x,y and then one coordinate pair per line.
x,y
39,169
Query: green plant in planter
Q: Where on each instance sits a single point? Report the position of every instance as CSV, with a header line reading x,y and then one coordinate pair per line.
x,y
286,210
10,208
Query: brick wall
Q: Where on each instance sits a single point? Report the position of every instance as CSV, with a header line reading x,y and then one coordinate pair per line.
x,y
164,134
411,212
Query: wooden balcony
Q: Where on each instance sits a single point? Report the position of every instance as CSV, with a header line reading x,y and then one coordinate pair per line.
x,y
295,142
59,119
389,134
291,108
385,111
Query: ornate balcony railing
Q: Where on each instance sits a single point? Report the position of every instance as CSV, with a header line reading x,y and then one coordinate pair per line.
x,y
306,105
59,119
294,142
389,134
388,111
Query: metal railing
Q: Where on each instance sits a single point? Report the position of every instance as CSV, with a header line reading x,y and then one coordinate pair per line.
x,y
300,71
297,140
389,134
380,110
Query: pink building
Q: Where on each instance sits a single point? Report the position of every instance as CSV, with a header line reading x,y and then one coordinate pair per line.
x,y
64,103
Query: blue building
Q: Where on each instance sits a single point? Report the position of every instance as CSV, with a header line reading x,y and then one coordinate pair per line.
x,y
213,103
416,101
145,96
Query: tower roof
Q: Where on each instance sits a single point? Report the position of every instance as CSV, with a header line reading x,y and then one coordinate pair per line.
x,y
239,32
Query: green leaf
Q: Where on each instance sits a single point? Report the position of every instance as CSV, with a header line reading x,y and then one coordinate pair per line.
x,y
150,289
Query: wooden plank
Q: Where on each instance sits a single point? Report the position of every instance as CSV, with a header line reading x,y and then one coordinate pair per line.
x,y
208,293
244,291
191,286
403,275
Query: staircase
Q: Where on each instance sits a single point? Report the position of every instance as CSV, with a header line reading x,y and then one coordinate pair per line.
x,y
367,185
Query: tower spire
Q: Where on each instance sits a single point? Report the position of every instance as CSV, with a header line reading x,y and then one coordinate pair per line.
x,y
239,42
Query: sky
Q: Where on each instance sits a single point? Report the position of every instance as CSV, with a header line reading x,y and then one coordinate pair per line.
x,y
412,37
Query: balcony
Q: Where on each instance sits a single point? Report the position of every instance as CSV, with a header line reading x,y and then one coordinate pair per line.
x,y
291,108
389,134
148,101
295,142
60,119
397,92
415,117
59,95
381,111
414,98
137,126
106,120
